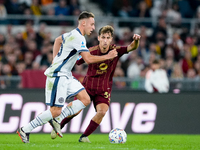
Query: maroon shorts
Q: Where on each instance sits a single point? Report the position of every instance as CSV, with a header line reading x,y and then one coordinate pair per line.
x,y
99,98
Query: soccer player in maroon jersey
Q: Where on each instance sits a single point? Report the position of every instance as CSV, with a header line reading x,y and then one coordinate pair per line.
x,y
98,80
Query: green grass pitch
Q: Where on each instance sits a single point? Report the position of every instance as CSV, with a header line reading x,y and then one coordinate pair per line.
x,y
101,142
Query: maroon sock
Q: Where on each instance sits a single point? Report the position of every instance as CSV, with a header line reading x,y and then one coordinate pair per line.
x,y
91,128
65,121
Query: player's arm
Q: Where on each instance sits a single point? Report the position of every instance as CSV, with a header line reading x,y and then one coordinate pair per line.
x,y
135,43
89,59
56,46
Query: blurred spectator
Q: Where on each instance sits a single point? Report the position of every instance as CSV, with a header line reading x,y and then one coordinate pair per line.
x,y
153,56
162,63
198,16
142,10
177,45
29,30
19,39
186,62
160,31
41,35
193,48
156,10
36,8
107,6
62,9
160,48
18,53
191,74
28,59
27,14
156,79
193,4
135,65
9,31
74,6
32,47
2,82
185,9
45,63
12,60
197,65
6,70
169,61
2,42
119,73
126,37
13,7
173,15
184,33
3,13
7,49
144,71
49,16
177,72
76,12
47,4
143,51
122,8
143,33
45,59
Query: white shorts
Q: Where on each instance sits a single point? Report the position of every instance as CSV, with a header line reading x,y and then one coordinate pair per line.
x,y
58,89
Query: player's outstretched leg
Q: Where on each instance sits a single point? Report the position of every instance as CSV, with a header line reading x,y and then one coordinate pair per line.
x,y
24,136
84,139
56,127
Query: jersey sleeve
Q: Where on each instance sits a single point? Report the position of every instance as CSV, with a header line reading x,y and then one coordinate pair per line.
x,y
121,50
80,45
80,61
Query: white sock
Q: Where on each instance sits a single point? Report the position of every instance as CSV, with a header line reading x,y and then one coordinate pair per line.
x,y
77,105
41,119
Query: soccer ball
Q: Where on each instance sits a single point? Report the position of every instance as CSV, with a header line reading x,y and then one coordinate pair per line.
x,y
117,136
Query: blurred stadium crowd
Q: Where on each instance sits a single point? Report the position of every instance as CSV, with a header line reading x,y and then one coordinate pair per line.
x,y
178,53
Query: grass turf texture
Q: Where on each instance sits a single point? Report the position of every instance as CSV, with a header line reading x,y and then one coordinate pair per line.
x,y
101,142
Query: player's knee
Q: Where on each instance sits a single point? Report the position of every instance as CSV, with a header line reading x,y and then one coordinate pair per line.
x,y
101,113
55,111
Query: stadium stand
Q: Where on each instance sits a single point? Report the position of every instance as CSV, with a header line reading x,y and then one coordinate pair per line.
x,y
169,30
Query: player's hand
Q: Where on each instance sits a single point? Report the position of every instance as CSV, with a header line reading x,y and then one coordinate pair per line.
x,y
136,37
112,54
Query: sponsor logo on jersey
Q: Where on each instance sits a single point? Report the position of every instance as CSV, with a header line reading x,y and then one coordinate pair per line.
x,y
82,45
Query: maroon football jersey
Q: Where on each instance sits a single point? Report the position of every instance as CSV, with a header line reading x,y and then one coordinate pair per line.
x,y
99,75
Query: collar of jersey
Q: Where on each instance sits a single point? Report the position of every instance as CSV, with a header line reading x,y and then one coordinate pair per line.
x,y
78,30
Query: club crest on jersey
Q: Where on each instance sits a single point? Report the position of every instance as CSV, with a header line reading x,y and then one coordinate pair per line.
x,y
82,45
61,100
103,68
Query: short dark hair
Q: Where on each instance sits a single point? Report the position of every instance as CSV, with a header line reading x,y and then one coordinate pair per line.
x,y
106,29
155,62
85,14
